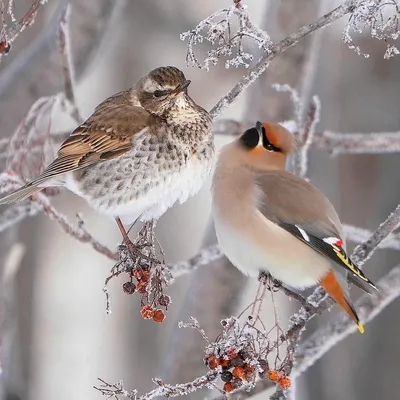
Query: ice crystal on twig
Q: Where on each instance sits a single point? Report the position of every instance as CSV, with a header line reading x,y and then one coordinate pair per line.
x,y
147,273
380,18
226,30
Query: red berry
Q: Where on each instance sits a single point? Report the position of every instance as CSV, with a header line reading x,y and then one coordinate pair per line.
x,y
129,287
228,387
273,375
142,286
147,312
224,363
285,382
158,316
212,362
239,372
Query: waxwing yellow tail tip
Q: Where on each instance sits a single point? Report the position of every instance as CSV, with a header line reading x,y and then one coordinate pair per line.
x,y
360,327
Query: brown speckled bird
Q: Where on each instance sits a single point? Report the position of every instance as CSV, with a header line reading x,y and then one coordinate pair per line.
x,y
141,151
269,220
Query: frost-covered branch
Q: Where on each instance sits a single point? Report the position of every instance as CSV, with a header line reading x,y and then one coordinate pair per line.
x,y
163,389
8,35
67,65
277,49
331,334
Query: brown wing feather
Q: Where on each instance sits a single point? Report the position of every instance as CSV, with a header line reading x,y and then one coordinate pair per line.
x,y
289,199
106,134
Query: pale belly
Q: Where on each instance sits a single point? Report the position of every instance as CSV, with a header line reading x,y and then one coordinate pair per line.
x,y
263,246
151,196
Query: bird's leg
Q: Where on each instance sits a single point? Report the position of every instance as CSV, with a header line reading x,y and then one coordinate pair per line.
x,y
270,283
131,247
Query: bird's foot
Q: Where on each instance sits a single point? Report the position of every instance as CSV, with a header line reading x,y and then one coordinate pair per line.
x,y
272,284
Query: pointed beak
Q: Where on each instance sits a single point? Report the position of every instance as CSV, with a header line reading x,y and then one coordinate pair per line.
x,y
182,87
259,127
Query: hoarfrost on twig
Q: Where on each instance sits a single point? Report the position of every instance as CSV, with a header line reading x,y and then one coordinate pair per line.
x,y
226,31
380,18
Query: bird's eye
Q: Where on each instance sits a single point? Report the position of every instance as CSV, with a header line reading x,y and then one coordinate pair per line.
x,y
267,144
159,93
250,138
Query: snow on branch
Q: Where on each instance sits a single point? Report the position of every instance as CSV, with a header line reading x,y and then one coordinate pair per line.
x,y
275,50
227,30
380,18
325,338
8,35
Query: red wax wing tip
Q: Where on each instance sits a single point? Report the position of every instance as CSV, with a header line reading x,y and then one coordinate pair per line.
x,y
339,243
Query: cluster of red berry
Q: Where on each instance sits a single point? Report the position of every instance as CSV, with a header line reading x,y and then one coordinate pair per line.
x,y
235,371
149,301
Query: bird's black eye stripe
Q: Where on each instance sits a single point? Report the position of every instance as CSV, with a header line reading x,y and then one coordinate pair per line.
x,y
267,144
250,138
159,93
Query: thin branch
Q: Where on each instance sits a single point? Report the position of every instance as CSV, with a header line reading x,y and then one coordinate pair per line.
x,y
78,232
358,143
163,390
67,65
8,36
277,49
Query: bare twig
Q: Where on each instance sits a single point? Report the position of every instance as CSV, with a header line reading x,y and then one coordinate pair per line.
x,y
67,66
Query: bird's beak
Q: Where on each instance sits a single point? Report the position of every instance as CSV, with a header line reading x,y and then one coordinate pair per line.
x,y
259,127
181,87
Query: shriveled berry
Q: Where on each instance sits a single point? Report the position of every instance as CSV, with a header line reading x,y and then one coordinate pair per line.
x,y
224,363
273,375
285,382
147,312
158,316
142,286
129,287
212,362
232,353
226,376
164,300
228,387
240,373
237,362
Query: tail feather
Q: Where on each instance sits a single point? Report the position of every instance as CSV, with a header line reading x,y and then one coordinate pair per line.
x,y
20,194
333,288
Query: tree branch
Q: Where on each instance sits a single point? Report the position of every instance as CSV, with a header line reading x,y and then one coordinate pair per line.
x,y
277,49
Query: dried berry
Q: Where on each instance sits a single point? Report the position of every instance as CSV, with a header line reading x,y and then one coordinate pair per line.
x,y
158,316
212,362
239,372
225,363
129,287
137,273
226,376
164,300
285,382
273,375
237,362
232,353
147,312
142,286
228,387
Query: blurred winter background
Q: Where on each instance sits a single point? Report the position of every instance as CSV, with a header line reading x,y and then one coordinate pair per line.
x,y
58,337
